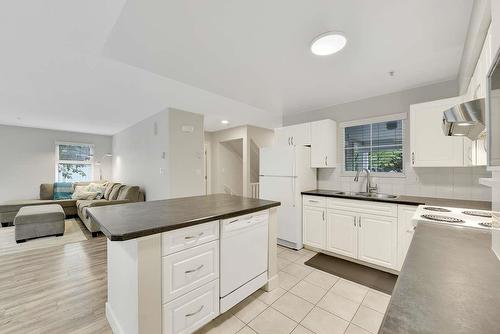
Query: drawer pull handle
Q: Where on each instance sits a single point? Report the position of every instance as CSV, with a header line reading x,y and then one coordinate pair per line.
x,y
234,221
313,201
194,270
195,313
189,237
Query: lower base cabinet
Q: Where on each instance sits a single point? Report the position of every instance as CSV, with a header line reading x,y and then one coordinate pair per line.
x,y
366,231
342,233
377,240
190,312
314,220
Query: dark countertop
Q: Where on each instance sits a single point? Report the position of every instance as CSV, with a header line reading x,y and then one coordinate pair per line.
x,y
128,221
450,283
409,200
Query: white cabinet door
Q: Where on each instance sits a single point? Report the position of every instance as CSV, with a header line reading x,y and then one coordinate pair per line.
x,y
314,223
324,144
342,233
293,135
429,146
377,240
406,230
282,136
300,134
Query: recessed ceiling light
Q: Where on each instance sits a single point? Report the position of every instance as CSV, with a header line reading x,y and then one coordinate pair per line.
x,y
328,43
224,121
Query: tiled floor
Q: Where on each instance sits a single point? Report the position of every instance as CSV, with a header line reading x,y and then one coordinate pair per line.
x,y
308,301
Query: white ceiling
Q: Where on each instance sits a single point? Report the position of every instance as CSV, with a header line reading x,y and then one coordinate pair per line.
x,y
99,66
258,51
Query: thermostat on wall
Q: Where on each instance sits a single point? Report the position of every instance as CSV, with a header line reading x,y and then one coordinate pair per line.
x,y
188,128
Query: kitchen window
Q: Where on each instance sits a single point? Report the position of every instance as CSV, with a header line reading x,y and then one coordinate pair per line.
x,y
375,146
74,162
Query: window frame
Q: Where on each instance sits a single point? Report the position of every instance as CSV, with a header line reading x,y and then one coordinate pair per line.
x,y
396,117
76,162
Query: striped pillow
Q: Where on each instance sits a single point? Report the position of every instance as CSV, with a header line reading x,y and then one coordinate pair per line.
x,y
63,190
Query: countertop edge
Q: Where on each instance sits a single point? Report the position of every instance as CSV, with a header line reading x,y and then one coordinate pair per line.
x,y
408,200
145,233
370,199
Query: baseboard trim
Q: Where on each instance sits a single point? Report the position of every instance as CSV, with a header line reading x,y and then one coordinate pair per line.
x,y
272,283
115,327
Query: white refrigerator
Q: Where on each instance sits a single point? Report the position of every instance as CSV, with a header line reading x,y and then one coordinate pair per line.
x,y
284,173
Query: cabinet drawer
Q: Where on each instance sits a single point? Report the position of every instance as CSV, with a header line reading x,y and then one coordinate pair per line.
x,y
363,207
317,201
191,311
189,269
184,238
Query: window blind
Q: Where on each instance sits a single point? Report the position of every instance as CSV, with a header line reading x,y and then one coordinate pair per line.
x,y
376,146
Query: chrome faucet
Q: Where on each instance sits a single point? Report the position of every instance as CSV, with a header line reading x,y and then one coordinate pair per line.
x,y
369,188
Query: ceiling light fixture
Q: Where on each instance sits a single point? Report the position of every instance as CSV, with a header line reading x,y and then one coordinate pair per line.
x,y
224,121
328,43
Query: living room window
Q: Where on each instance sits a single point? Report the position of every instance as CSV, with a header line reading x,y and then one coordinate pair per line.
x,y
74,162
377,146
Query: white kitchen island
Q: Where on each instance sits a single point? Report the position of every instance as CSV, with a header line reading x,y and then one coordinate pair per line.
x,y
175,265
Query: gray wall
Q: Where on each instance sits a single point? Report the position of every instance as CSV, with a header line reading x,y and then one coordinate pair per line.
x,y
161,158
434,182
27,158
393,103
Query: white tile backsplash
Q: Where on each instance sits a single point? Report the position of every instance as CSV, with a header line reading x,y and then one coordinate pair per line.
x,y
459,183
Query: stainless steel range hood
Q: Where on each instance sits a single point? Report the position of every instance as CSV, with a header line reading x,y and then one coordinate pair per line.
x,y
465,119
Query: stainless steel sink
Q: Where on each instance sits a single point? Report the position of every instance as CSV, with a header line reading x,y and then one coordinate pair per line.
x,y
376,195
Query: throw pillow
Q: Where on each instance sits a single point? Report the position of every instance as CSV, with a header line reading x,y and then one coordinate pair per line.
x,y
79,190
98,188
63,190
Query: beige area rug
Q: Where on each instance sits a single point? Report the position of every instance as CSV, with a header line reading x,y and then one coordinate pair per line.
x,y
8,245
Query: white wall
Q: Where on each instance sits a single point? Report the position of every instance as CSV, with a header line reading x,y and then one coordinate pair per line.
x,y
159,157
138,156
260,136
27,158
231,166
186,164
462,183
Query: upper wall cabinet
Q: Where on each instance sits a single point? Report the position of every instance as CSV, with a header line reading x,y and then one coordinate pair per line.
x,y
320,135
477,84
294,135
324,144
429,146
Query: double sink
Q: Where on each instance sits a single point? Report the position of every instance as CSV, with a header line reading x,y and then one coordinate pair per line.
x,y
366,195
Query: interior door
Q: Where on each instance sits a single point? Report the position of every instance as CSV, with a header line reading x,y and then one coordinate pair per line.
x,y
342,233
314,226
377,240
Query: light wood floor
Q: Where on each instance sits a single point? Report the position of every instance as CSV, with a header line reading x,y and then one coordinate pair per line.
x,y
61,289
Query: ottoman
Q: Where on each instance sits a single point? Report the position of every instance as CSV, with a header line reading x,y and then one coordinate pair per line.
x,y
39,221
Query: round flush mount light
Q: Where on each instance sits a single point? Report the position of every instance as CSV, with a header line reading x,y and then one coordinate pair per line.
x,y
328,43
224,121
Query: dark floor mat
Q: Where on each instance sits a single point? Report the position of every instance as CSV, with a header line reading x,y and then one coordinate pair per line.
x,y
373,278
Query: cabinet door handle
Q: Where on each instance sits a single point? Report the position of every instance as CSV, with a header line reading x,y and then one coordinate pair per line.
x,y
194,270
359,221
292,140
412,158
323,215
313,201
354,221
288,141
195,313
326,160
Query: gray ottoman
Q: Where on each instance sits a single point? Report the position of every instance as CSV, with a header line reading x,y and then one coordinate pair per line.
x,y
39,221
